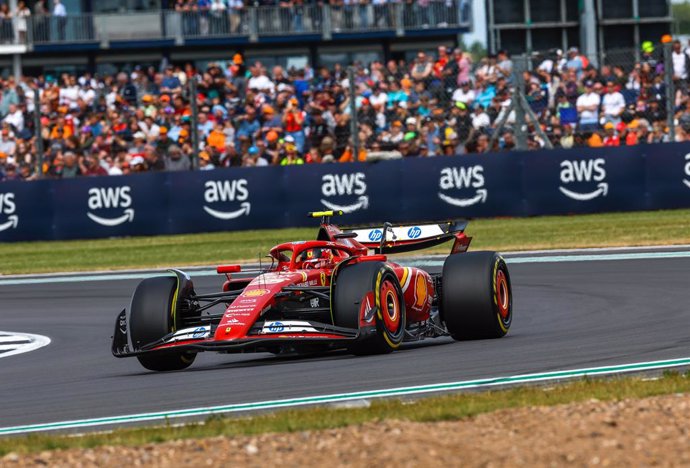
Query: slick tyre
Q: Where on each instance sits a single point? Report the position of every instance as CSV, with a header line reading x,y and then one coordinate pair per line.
x,y
476,296
353,284
151,318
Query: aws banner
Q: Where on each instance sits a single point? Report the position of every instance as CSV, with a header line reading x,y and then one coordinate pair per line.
x,y
412,190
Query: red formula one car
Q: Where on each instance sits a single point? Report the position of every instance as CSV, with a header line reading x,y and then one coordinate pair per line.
x,y
329,293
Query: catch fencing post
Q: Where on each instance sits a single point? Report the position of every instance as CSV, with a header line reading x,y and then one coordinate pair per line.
x,y
195,123
38,131
520,120
354,127
670,91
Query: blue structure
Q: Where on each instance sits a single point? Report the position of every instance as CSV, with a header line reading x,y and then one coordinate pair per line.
x,y
412,190
105,36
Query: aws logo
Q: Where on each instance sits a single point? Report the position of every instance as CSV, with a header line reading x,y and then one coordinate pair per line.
x,y
463,178
582,171
345,185
224,191
9,208
687,170
110,198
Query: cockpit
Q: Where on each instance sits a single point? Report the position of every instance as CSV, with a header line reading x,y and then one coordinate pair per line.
x,y
309,255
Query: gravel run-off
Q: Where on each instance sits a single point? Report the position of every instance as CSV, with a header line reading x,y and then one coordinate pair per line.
x,y
647,432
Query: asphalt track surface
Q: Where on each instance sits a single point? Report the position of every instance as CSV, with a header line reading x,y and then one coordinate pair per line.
x,y
567,315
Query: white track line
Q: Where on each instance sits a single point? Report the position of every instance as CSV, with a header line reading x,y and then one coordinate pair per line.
x,y
340,397
33,342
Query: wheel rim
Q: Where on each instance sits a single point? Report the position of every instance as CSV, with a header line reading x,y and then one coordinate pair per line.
x,y
502,295
390,307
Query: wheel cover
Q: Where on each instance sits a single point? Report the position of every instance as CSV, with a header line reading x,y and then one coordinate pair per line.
x,y
390,307
502,295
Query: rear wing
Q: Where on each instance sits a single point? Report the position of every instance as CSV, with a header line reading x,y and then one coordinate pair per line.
x,y
398,239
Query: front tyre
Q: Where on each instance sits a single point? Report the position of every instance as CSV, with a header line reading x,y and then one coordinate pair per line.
x,y
376,281
152,316
476,296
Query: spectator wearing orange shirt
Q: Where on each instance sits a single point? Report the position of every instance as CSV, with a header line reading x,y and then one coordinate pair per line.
x,y
594,140
216,138
631,138
62,129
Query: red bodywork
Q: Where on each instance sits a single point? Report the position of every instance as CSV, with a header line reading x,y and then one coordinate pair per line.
x,y
297,268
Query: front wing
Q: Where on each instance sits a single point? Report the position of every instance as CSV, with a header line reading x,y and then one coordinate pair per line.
x,y
201,338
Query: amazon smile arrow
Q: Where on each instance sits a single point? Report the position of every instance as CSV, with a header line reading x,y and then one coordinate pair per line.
x,y
602,190
225,215
127,217
362,203
481,196
12,222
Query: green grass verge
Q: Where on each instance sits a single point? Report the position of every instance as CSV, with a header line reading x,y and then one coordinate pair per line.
x,y
444,408
601,230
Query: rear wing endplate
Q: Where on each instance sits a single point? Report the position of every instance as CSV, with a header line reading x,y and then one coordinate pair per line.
x,y
398,239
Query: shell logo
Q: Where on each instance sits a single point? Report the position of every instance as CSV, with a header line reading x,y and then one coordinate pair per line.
x,y
256,293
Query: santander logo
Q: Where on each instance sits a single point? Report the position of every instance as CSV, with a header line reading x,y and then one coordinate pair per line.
x,y
462,178
108,198
225,191
592,170
345,185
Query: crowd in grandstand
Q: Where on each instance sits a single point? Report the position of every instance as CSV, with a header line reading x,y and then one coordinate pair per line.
x,y
439,104
222,17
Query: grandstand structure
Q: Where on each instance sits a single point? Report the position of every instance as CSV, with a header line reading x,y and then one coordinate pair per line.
x,y
104,36
595,26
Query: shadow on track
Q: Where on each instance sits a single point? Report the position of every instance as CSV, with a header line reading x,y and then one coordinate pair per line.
x,y
267,360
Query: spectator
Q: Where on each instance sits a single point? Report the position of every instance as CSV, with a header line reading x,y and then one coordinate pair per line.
x,y
504,65
588,108
613,104
464,94
176,160
70,166
461,63
89,165
292,156
574,61
417,109
422,68
480,119
60,15
41,22
611,138
21,14
171,83
15,118
236,7
8,144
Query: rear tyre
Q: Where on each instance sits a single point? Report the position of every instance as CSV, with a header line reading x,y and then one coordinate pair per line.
x,y
476,296
152,316
353,284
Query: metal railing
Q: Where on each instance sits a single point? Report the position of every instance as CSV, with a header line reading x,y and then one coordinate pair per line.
x,y
251,22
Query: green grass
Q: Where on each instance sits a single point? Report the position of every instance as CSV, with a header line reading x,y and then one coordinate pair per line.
x,y
601,230
445,408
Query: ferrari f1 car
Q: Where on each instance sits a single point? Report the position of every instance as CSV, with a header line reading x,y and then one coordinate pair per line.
x,y
339,291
